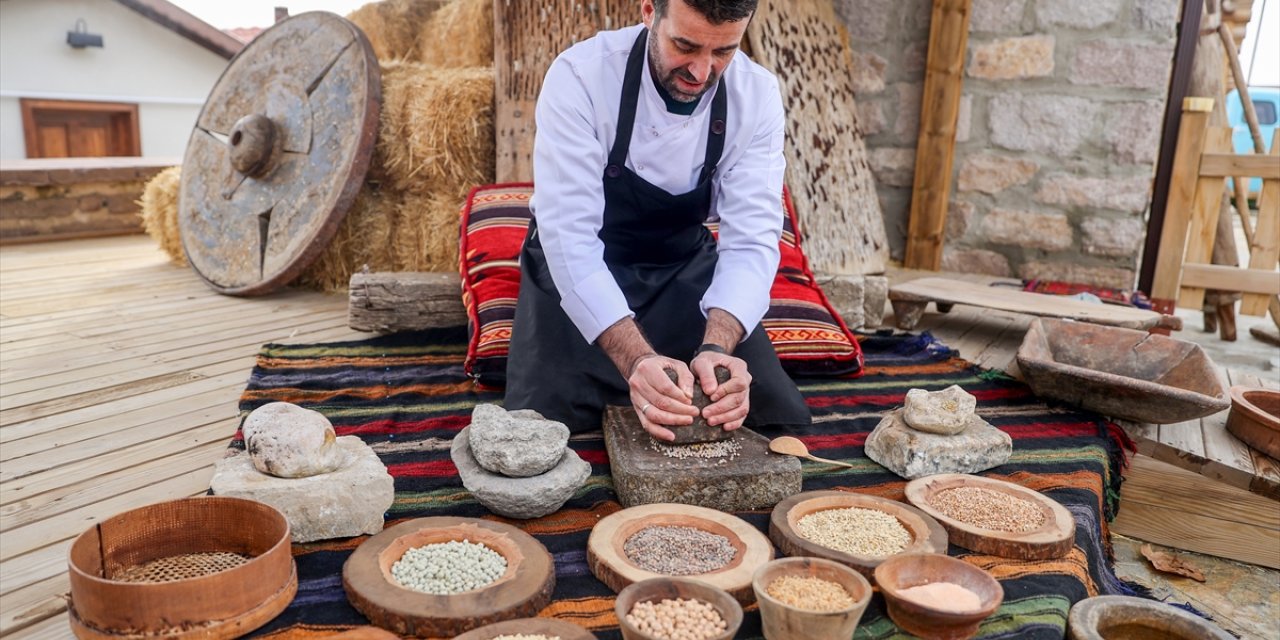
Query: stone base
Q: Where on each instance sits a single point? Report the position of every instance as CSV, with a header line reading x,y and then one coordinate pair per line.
x,y
528,497
757,478
348,502
915,454
859,300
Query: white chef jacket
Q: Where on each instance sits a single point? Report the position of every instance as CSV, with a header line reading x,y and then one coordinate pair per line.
x,y
577,118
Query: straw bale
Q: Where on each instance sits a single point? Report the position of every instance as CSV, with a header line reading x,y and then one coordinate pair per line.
x,y
364,238
459,35
426,232
392,26
160,212
436,131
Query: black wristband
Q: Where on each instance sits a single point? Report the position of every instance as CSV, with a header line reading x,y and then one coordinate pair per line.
x,y
710,346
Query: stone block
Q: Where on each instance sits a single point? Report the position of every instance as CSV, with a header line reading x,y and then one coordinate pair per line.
x,y
518,443
1101,276
871,120
1050,124
893,166
348,502
1113,236
1133,131
1047,231
913,59
915,454
1122,63
959,217
875,295
1160,16
867,20
1077,14
1130,195
964,118
1013,58
523,498
868,73
846,295
991,173
907,126
995,16
976,261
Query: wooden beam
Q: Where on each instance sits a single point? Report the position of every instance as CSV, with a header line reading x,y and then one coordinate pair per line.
x,y
1229,165
1177,214
935,151
405,301
1265,248
1205,210
1225,278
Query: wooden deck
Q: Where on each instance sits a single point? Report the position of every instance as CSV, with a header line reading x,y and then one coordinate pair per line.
x,y
119,380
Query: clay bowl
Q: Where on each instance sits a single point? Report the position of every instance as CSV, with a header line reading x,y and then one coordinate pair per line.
x,y
521,591
786,622
549,627
1255,418
1128,618
659,589
151,572
1122,373
911,570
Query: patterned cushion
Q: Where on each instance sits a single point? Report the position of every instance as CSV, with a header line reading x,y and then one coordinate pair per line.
x,y
808,335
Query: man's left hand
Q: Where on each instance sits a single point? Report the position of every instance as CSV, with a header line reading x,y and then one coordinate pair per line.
x,y
730,402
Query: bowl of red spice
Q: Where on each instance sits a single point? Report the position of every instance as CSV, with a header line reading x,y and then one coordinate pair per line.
x,y
937,597
806,598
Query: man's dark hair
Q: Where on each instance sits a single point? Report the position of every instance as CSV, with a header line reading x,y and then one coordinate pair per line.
x,y
715,11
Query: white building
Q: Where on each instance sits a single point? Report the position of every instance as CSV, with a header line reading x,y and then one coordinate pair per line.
x,y
139,93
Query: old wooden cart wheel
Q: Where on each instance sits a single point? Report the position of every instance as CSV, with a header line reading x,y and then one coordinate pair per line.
x,y
279,153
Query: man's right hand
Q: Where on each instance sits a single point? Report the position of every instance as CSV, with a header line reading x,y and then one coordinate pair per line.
x,y
659,402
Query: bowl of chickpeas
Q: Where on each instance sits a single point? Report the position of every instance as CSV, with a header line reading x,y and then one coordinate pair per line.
x,y
677,609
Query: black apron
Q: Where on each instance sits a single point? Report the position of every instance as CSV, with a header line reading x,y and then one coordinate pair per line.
x,y
662,258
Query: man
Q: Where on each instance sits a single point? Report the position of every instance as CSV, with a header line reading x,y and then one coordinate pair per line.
x,y
641,134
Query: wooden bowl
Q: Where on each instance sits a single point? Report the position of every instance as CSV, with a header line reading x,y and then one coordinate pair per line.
x,y
912,570
1255,418
1128,618
522,590
927,536
609,562
549,627
658,589
786,622
170,540
1052,539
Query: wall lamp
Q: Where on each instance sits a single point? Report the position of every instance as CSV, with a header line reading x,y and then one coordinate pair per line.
x,y
81,38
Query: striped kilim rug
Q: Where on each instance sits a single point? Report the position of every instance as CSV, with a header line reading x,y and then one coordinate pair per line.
x,y
406,396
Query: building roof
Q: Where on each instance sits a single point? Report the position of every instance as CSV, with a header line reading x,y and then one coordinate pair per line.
x,y
173,18
244,34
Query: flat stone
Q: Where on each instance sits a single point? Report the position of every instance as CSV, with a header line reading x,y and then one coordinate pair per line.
x,y
1113,236
991,173
1046,123
1129,195
523,498
945,412
976,261
1047,231
1013,58
915,454
1122,63
288,441
752,478
518,443
348,502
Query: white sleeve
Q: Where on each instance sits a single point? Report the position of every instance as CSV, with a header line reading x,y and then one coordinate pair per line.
x,y
568,165
749,204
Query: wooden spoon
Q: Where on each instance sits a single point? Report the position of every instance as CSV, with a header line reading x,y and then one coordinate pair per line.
x,y
794,447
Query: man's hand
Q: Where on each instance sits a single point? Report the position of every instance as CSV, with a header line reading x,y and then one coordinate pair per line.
x,y
730,402
658,401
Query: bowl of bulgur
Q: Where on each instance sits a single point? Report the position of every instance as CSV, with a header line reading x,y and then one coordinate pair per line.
x,y
805,598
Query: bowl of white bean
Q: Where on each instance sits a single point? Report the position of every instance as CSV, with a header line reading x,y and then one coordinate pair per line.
x,y
806,598
670,608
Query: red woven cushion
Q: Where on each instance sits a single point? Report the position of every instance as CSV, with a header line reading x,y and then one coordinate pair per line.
x,y
808,335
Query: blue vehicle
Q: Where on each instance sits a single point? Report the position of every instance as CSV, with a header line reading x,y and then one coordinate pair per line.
x,y
1266,102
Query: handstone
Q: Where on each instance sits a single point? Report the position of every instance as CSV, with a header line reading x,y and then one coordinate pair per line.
x,y
945,412
699,430
523,498
348,502
915,454
518,443
754,478
288,441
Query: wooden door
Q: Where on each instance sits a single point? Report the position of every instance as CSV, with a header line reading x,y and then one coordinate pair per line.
x,y
64,129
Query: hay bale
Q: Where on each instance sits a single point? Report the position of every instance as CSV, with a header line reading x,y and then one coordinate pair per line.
x,y
426,232
392,26
160,212
436,131
459,35
364,238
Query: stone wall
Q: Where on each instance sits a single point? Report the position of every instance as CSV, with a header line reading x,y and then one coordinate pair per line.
x,y
73,198
1057,137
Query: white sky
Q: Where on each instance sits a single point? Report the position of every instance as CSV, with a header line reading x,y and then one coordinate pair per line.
x,y
1262,49
229,14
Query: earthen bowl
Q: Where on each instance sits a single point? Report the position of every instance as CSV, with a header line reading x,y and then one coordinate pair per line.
x,y
786,622
1128,618
659,589
912,570
1255,418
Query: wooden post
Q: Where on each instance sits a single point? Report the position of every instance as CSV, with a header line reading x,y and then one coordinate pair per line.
x,y
935,150
1203,226
1177,213
1265,248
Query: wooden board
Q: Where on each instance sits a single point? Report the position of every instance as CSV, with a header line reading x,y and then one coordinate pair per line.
x,y
549,627
522,591
806,45
391,302
1053,539
917,293
1265,248
927,535
611,565
1203,226
1182,188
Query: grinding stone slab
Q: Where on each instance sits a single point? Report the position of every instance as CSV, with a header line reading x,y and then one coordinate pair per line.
x,y
757,478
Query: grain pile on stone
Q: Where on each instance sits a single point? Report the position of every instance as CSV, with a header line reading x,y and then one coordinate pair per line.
x,y
809,593
937,432
861,532
517,463
995,510
447,568
678,551
728,449
679,619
